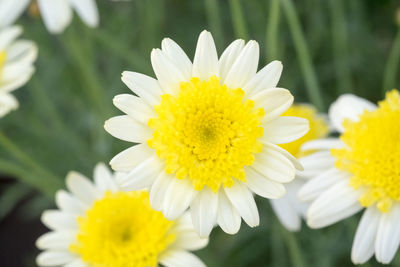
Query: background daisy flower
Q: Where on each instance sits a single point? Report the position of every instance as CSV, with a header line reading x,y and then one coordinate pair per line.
x,y
57,14
98,225
207,133
361,170
16,66
289,208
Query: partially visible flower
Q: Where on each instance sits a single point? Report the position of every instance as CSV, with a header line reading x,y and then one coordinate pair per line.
x,y
208,132
289,208
98,225
361,169
16,66
57,14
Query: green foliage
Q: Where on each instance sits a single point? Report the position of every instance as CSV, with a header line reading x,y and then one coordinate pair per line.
x,y
327,48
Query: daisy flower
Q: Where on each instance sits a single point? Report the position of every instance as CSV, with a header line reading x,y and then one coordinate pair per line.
x,y
360,170
98,225
16,66
207,133
289,208
57,14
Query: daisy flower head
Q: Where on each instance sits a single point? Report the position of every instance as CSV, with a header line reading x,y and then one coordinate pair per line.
x,y
360,170
207,133
57,14
96,224
289,209
16,65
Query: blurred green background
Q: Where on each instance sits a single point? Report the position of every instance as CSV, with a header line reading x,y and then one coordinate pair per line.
x,y
328,47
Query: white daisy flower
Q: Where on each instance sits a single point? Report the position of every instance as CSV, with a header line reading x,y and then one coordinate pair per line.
x,y
16,66
57,14
289,208
361,169
99,225
207,133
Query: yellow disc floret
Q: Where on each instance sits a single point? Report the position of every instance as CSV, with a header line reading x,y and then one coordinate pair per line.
x,y
207,133
318,128
122,230
372,154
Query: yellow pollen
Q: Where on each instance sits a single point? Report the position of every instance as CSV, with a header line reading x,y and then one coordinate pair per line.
x,y
207,133
122,230
318,128
372,154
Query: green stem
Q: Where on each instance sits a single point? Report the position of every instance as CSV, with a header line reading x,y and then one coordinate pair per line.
x,y
293,247
390,72
214,20
340,47
239,23
303,54
271,44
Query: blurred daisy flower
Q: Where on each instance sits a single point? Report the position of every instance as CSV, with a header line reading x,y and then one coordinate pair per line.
x,y
361,169
289,208
57,14
207,133
16,66
98,225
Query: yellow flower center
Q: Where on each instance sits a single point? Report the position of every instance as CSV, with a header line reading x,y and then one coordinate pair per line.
x,y
207,133
318,128
122,230
2,60
372,154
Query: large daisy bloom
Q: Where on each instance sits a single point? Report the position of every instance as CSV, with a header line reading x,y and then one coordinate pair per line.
x,y
207,133
57,14
16,66
360,170
289,209
96,224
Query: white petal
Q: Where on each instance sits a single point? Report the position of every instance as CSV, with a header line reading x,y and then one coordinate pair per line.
x,y
17,83
205,63
284,130
168,75
76,263
348,106
316,186
322,144
228,57
144,86
178,197
87,11
143,175
289,156
70,204
204,209
287,213
178,57
59,240
135,107
128,159
21,51
228,218
274,166
242,199
11,10
262,186
274,101
127,129
364,241
179,258
103,178
266,78
7,103
81,187
57,14
245,66
316,163
189,240
14,70
54,258
8,35
159,189
388,235
338,202
59,220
